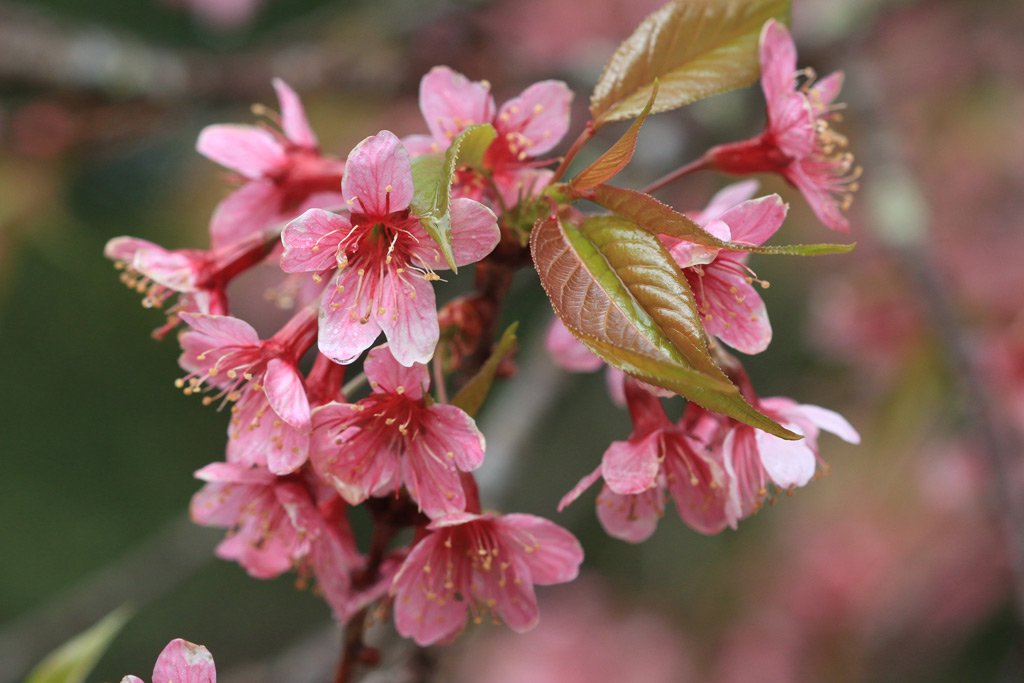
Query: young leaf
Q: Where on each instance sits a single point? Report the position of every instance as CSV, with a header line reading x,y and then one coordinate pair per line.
x,y
432,176
473,394
616,288
608,165
72,661
661,219
695,48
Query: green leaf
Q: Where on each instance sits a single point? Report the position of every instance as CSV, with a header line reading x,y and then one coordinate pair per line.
x,y
608,165
473,394
660,219
695,48
432,176
617,289
72,661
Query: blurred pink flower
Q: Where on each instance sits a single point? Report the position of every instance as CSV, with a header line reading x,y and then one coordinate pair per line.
x,y
283,172
480,564
528,126
181,662
583,638
384,258
397,436
799,143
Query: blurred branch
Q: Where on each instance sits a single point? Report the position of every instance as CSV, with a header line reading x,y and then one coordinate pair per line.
x,y
147,572
42,51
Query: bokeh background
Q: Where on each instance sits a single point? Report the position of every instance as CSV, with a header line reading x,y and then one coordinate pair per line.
x,y
898,566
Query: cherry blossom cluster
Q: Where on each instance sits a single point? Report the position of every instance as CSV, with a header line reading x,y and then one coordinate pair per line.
x,y
309,440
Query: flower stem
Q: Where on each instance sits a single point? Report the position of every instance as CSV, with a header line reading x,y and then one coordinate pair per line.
x,y
696,165
585,135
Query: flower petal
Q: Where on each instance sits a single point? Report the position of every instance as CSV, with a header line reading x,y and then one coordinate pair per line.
x,y
286,393
577,490
311,241
631,518
731,308
475,231
184,662
538,119
450,102
378,176
788,463
778,61
422,611
463,443
249,150
726,198
221,330
552,553
293,116
344,330
389,376
431,477
755,220
408,316
632,466
830,421
245,212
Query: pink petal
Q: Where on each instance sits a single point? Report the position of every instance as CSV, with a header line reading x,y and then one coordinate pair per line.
x,y
245,212
569,352
697,484
731,308
184,662
286,393
631,518
517,183
552,553
378,176
231,473
409,318
475,231
293,116
173,269
251,151
755,220
825,91
792,124
389,376
516,602
632,466
431,476
830,421
577,490
463,443
221,330
344,334
257,436
420,611
788,463
356,462
132,679
418,145
815,185
539,117
123,248
778,62
450,103
311,241
726,198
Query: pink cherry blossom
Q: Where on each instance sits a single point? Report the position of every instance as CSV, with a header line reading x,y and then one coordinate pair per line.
x,y
261,377
397,436
275,525
799,142
753,458
383,257
722,283
658,456
480,564
528,126
181,662
283,172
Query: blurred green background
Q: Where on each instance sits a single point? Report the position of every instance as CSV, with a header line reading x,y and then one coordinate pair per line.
x,y
101,105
